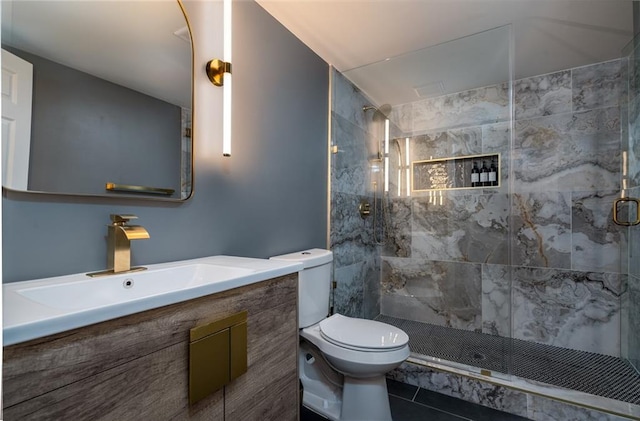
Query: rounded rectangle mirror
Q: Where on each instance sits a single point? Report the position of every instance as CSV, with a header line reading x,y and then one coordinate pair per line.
x,y
97,98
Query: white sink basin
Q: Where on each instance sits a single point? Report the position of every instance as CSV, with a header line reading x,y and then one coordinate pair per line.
x,y
104,291
33,309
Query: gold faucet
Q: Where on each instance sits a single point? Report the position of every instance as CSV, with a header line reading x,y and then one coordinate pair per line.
x,y
119,245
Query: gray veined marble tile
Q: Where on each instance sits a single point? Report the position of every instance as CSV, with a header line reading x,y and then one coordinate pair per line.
x,y
496,300
442,293
470,228
471,390
465,141
632,71
446,144
348,100
634,241
632,335
548,409
542,229
496,137
633,143
429,146
351,237
625,321
577,310
568,152
469,108
351,166
596,240
541,133
397,227
371,274
596,85
535,160
402,117
591,155
542,95
348,298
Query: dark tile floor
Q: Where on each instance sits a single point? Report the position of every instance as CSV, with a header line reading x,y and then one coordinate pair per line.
x,y
410,403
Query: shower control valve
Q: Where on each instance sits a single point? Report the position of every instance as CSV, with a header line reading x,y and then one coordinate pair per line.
x,y
364,209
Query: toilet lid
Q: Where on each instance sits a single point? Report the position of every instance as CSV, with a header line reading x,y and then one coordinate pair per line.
x,y
361,333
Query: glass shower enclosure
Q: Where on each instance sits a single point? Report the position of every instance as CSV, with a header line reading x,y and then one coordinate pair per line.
x,y
490,238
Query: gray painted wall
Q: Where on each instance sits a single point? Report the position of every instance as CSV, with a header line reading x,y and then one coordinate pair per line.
x,y
87,131
268,198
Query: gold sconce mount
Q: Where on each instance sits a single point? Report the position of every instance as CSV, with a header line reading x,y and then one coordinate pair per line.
x,y
216,69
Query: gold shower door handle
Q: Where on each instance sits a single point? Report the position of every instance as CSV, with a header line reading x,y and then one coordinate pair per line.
x,y
616,204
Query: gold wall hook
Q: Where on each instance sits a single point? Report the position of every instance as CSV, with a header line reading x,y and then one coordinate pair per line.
x,y
216,69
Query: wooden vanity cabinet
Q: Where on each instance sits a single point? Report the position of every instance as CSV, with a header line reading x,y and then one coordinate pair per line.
x,y
136,367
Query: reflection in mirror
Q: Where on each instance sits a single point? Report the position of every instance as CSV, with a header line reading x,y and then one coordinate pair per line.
x,y
111,97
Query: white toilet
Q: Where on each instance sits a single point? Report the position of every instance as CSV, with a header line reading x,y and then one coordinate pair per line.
x,y
343,360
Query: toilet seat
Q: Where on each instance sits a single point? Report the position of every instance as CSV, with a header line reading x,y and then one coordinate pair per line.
x,y
361,334
355,362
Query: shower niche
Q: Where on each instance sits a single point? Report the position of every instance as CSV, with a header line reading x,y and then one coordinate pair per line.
x,y
463,172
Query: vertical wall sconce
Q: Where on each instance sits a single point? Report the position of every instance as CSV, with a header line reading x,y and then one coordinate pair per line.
x,y
407,162
216,70
386,155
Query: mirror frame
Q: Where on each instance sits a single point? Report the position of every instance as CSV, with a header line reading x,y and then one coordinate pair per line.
x,y
133,195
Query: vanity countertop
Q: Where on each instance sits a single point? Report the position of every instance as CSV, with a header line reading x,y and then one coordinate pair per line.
x,y
37,308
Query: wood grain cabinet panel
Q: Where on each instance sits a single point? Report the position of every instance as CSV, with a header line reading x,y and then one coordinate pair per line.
x,y
136,367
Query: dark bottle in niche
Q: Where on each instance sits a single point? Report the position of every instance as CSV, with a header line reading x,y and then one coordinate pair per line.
x,y
475,175
493,174
484,175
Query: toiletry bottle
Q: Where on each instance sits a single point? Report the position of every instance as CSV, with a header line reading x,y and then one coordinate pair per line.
x,y
475,175
484,175
493,174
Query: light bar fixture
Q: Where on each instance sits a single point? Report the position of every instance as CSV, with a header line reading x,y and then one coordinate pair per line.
x,y
407,162
216,70
386,155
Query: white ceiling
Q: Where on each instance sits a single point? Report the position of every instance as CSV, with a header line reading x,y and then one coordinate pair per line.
x,y
549,35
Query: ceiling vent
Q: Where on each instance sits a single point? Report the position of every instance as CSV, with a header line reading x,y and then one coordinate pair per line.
x,y
430,90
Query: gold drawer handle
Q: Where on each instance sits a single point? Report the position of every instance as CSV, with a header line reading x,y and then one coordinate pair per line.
x,y
617,202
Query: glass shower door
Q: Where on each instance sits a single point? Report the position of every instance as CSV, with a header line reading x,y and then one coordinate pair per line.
x,y
445,275
626,209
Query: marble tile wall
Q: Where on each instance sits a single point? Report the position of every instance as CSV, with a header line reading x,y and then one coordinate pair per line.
x,y
475,107
570,309
634,148
630,330
352,240
454,257
529,405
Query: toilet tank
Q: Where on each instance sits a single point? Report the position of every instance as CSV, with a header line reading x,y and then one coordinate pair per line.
x,y
314,284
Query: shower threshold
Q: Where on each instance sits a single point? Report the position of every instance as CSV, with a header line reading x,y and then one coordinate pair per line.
x,y
594,374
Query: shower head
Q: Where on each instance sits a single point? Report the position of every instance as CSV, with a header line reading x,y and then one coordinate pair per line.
x,y
383,110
